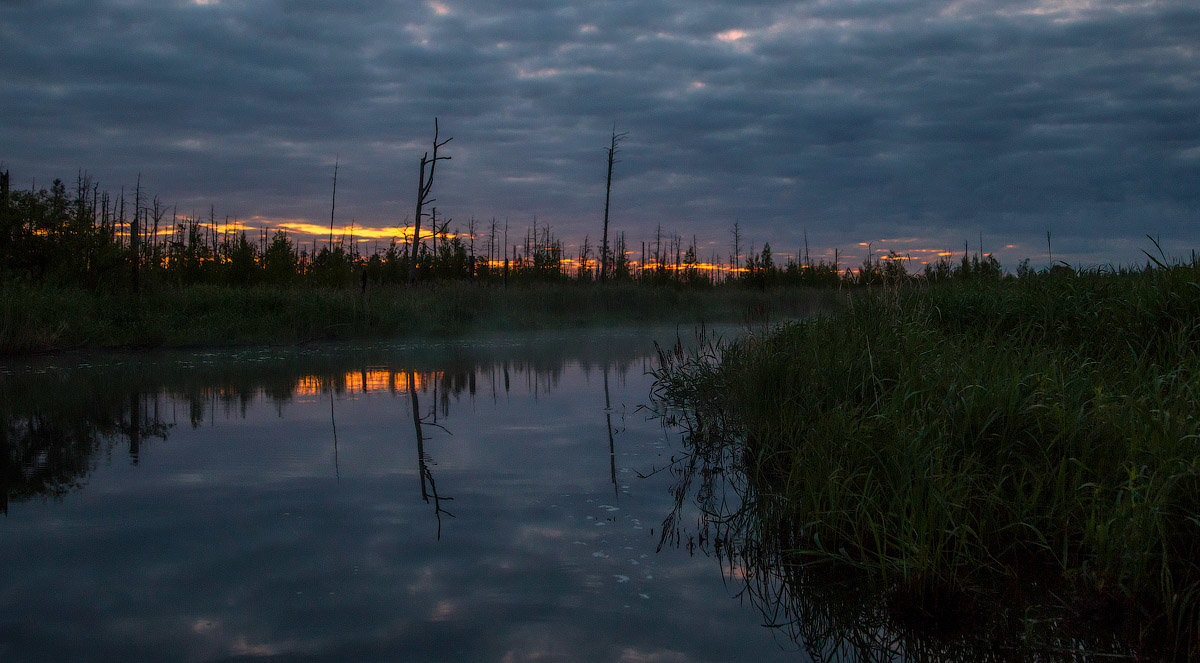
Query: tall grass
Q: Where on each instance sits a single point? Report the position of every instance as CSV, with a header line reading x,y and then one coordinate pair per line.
x,y
975,439
47,318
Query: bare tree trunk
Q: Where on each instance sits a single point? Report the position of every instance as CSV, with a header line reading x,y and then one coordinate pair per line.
x,y
212,233
333,201
424,186
133,232
737,247
612,151
434,224
158,213
471,249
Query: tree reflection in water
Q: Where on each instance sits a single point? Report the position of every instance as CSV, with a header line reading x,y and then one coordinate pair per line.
x,y
57,422
428,485
48,451
56,426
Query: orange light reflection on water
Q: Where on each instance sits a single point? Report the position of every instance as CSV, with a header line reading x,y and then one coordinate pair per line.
x,y
370,380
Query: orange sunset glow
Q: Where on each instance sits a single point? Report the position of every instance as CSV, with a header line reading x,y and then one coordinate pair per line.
x,y
911,252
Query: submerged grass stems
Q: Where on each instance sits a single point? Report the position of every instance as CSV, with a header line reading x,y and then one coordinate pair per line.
x,y
977,439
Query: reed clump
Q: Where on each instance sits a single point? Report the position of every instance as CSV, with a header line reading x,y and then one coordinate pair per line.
x,y
972,441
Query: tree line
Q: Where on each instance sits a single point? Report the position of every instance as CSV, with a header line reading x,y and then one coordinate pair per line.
x,y
85,237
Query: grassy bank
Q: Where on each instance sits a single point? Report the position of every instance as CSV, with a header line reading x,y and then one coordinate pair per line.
x,y
1030,442
40,319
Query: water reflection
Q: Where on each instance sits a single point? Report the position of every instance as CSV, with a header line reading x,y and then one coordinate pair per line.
x,y
428,485
60,417
297,504
612,452
47,447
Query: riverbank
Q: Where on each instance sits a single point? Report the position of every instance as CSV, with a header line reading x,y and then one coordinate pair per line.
x,y
47,319
1021,447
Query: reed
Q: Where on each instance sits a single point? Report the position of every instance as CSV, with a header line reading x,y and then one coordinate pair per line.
x,y
969,440
49,318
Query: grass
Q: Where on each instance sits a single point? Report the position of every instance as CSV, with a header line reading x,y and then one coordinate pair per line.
x,y
42,319
963,443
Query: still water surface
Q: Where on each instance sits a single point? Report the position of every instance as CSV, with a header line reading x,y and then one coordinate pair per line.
x,y
286,504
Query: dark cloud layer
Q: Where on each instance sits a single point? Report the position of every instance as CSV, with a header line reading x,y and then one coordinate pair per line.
x,y
853,121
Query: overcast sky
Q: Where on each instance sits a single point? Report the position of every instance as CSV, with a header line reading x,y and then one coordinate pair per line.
x,y
910,124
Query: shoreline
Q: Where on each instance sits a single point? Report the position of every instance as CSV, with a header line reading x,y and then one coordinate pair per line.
x,y
50,319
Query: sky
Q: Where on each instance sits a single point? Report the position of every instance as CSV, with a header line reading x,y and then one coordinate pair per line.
x,y
909,125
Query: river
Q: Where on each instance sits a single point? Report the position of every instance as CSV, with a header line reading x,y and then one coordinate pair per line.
x,y
488,499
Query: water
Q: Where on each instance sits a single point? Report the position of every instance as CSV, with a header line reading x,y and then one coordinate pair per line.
x,y
284,504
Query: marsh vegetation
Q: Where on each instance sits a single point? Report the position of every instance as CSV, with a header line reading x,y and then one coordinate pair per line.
x,y
1007,462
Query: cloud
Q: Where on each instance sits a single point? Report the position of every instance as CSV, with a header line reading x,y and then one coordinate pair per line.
x,y
851,120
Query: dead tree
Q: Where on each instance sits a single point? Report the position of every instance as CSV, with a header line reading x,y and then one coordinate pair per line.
x,y
737,248
612,152
134,232
333,201
424,186
157,214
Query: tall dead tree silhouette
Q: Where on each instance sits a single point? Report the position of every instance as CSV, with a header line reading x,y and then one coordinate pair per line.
x,y
333,201
424,186
135,234
612,152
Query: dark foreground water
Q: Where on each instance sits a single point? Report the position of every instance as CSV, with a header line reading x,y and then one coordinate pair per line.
x,y
288,505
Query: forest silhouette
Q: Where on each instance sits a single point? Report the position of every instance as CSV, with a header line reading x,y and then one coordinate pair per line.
x,y
96,239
